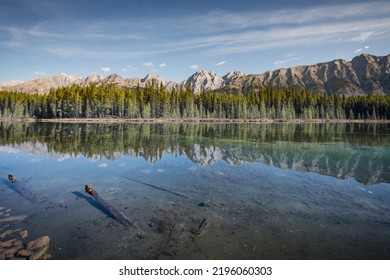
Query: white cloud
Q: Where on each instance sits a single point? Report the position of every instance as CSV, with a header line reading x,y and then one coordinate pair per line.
x,y
363,36
221,63
359,50
124,70
194,66
163,65
39,73
105,69
223,32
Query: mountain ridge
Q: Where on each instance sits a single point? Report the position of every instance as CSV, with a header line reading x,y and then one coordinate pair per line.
x,y
364,74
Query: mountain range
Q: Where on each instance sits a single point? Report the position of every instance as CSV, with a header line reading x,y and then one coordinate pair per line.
x,y
364,74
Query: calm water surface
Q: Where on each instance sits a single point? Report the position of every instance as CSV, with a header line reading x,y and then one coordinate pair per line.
x,y
266,191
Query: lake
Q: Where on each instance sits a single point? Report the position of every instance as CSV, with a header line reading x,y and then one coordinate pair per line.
x,y
201,191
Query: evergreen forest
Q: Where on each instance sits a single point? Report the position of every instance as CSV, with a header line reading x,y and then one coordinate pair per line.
x,y
153,101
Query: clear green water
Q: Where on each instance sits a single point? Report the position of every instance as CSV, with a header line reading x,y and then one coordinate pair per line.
x,y
272,191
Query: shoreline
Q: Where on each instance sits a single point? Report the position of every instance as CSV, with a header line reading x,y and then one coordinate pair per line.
x,y
185,120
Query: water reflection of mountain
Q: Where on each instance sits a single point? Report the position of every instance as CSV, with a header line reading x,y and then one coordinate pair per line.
x,y
341,150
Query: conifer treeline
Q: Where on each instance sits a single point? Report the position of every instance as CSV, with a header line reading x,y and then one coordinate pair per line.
x,y
154,102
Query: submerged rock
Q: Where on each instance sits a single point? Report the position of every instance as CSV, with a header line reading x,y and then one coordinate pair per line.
x,y
14,247
10,253
38,243
24,253
23,234
13,219
7,243
39,254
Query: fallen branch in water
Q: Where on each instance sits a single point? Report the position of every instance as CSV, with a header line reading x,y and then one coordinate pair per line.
x,y
118,215
16,185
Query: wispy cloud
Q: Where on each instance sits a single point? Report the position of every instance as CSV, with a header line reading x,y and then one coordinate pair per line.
x,y
149,64
194,66
220,63
105,69
289,58
162,65
359,50
363,36
220,32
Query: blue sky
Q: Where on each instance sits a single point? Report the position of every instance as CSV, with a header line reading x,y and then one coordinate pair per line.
x,y
176,38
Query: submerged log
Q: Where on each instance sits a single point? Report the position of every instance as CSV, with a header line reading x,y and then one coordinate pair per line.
x,y
17,186
115,213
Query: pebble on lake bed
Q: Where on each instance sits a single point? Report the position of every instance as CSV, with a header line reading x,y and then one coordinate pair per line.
x,y
23,234
13,219
24,253
12,247
39,254
38,243
7,243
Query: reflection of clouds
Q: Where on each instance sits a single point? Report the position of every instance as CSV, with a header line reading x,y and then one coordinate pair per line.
x,y
335,158
13,152
193,169
36,149
9,150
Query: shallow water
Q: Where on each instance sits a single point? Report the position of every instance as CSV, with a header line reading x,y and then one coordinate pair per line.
x,y
267,191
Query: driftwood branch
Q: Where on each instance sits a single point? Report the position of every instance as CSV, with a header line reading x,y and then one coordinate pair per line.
x,y
118,215
17,186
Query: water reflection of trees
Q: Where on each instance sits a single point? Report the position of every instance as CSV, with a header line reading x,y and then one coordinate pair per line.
x,y
283,145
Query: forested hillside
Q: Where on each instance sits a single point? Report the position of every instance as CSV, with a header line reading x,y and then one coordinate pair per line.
x,y
153,101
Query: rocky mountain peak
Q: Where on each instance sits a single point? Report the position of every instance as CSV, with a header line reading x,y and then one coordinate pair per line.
x,y
364,74
232,76
154,78
152,75
209,80
11,83
114,79
67,79
94,77
43,85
